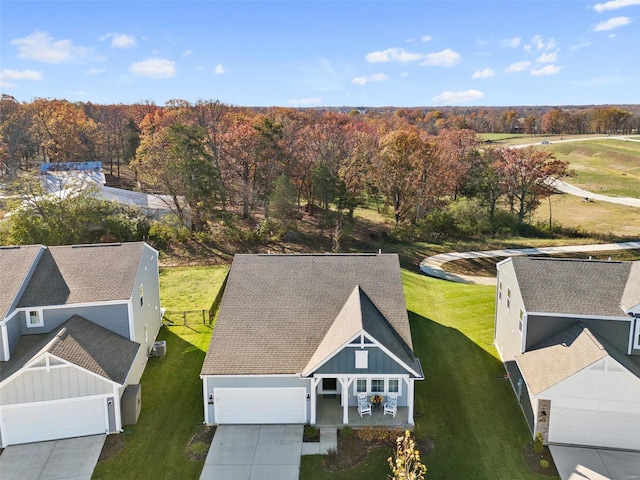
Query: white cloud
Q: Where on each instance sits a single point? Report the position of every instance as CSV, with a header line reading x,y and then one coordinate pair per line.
x,y
547,58
510,42
41,47
546,70
615,22
120,40
426,38
393,54
187,53
219,69
614,5
305,102
445,58
154,67
95,71
518,67
578,46
454,98
486,73
539,43
376,77
7,77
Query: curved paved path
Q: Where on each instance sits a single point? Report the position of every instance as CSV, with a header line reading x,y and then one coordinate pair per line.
x,y
432,266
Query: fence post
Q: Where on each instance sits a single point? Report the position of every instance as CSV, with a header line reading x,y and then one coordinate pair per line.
x,y
184,317
203,322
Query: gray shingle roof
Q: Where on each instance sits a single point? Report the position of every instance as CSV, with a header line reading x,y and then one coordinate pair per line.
x,y
566,353
15,263
358,314
82,343
277,309
83,273
579,287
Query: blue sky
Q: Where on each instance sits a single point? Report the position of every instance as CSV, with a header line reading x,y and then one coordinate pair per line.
x,y
323,53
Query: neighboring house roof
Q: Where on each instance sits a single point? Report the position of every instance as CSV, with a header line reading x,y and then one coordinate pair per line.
x,y
566,353
360,314
566,286
83,274
277,310
15,263
81,342
631,295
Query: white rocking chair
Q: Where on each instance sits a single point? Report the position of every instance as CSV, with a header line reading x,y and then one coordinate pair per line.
x,y
364,407
391,405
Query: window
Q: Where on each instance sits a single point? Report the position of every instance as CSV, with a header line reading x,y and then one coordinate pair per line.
x,y
508,299
34,319
141,293
394,385
361,385
500,292
521,320
377,385
362,359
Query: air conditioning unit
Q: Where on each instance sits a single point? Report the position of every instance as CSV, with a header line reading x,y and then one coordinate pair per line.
x,y
160,348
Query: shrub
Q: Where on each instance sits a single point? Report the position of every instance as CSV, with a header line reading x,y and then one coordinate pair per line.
x,y
346,432
331,458
544,463
538,446
470,217
407,464
311,433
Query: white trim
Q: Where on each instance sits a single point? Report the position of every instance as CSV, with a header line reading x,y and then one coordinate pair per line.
x,y
297,375
4,334
362,359
72,305
578,315
636,335
205,401
132,323
385,378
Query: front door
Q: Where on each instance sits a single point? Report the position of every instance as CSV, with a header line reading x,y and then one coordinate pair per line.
x,y
329,385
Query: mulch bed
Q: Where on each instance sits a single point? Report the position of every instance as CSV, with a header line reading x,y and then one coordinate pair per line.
x,y
352,450
198,446
533,461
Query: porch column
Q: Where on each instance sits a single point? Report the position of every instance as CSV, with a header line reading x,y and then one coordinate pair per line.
x,y
345,382
410,400
313,398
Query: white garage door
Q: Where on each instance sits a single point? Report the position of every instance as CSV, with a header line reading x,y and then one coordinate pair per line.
x,y
50,421
260,405
594,427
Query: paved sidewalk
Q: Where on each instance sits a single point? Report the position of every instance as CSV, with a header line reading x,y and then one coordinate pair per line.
x,y
254,452
432,266
328,441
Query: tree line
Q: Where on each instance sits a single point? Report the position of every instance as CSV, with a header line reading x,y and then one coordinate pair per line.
x,y
275,161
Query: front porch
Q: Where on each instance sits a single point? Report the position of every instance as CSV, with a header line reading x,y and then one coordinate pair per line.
x,y
329,414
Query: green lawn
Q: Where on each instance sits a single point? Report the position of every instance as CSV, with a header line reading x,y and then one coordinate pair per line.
x,y
171,389
465,405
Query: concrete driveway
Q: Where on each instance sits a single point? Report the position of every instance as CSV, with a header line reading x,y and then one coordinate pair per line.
x,y
254,452
578,463
71,458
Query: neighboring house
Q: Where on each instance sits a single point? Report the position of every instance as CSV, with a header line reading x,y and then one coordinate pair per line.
x,y
294,328
77,324
568,332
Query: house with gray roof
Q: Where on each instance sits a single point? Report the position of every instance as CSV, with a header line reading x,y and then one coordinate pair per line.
x,y
77,325
568,332
297,335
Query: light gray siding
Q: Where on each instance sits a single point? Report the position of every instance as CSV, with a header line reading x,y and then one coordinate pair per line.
x,y
14,331
37,385
253,382
112,317
378,363
616,332
146,315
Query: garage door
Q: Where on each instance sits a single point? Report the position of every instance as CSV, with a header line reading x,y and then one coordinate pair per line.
x,y
260,405
594,427
50,421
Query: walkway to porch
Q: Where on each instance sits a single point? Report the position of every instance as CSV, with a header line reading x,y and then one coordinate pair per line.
x,y
329,414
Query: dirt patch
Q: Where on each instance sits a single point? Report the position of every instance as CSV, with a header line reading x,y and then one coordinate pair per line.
x,y
112,446
198,446
534,461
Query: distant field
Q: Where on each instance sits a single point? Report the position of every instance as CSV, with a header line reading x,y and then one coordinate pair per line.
x,y
596,217
609,167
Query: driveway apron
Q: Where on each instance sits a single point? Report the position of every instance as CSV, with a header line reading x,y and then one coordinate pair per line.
x,y
252,452
71,458
581,463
